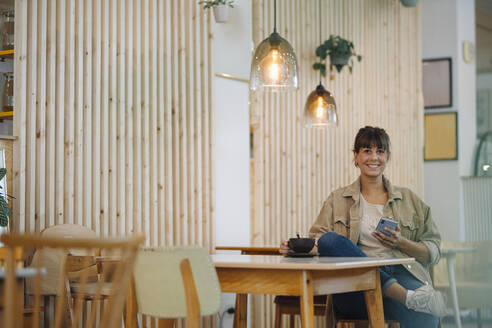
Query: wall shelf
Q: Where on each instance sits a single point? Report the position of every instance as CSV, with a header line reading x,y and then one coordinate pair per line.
x,y
7,53
7,115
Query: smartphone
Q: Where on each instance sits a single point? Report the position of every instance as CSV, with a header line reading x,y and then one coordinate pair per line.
x,y
386,223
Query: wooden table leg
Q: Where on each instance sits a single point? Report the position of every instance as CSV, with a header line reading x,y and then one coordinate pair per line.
x,y
131,306
241,312
374,304
307,304
166,323
20,302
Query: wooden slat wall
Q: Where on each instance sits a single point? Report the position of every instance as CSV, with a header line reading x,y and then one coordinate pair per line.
x,y
113,115
296,168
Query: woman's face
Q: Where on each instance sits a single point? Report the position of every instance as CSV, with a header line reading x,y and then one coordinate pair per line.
x,y
371,161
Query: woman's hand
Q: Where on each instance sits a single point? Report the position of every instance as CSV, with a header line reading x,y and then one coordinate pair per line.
x,y
284,247
396,240
393,241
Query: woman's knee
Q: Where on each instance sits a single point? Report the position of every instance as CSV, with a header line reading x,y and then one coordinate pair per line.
x,y
333,244
329,240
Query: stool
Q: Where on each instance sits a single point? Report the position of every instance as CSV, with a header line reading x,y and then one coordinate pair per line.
x,y
291,305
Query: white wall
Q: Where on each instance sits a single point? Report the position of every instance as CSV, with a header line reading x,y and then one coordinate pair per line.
x,y
232,51
232,55
445,25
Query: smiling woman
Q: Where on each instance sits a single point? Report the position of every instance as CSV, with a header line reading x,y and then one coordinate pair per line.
x,y
346,226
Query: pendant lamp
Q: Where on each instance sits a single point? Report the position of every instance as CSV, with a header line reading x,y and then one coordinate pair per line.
x,y
274,63
320,109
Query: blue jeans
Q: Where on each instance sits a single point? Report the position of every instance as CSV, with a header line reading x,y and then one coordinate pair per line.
x,y
353,306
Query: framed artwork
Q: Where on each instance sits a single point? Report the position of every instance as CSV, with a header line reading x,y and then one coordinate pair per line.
x,y
437,83
441,136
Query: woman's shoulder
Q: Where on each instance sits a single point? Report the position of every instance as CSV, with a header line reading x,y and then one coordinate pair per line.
x,y
407,195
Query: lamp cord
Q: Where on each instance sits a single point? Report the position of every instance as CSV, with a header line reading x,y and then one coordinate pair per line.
x,y
319,21
275,16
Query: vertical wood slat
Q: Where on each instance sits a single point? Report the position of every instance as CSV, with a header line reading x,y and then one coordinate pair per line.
x,y
50,114
41,109
383,90
78,113
114,112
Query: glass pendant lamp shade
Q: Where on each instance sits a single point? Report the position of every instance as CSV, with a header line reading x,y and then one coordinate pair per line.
x,y
274,66
320,109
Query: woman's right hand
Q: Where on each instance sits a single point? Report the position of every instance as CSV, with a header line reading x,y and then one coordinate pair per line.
x,y
284,247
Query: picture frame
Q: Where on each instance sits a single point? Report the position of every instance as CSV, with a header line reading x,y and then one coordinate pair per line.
x,y
437,82
440,136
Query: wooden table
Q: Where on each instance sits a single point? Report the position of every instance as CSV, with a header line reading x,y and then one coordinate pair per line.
x,y
450,254
304,277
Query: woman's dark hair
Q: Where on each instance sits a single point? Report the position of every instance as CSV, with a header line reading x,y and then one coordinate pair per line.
x,y
370,136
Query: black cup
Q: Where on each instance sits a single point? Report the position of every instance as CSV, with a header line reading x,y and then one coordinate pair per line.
x,y
301,245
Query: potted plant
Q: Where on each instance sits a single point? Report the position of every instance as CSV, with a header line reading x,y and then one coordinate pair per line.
x,y
4,206
340,52
221,8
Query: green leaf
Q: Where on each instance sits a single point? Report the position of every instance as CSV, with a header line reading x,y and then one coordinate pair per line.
x,y
359,57
4,212
3,171
320,51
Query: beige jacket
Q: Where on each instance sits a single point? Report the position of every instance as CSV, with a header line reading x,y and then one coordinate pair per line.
x,y
341,213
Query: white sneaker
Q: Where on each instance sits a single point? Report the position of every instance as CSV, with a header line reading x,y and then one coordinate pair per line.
x,y
427,299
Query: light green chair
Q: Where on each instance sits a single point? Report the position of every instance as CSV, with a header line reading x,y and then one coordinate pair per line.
x,y
176,282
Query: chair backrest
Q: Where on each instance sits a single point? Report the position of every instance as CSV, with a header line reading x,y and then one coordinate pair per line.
x,y
160,282
52,258
67,315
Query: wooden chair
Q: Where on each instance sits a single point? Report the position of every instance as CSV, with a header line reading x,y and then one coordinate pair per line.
x,y
176,282
18,259
52,260
66,315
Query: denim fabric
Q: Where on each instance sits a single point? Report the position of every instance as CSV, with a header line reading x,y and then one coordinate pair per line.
x,y
353,306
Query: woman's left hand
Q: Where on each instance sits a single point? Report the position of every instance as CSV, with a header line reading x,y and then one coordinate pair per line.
x,y
393,241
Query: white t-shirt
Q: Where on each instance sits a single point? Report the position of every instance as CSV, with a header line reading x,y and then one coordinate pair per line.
x,y
371,214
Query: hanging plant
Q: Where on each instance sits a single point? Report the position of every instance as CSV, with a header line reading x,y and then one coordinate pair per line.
x,y
220,7
340,52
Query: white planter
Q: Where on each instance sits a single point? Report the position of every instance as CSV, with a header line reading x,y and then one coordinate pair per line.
x,y
2,231
409,3
221,13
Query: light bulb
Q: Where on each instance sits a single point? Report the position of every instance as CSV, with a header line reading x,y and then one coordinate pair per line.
x,y
320,109
274,69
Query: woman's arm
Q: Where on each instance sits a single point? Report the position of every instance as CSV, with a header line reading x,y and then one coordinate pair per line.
x,y
322,224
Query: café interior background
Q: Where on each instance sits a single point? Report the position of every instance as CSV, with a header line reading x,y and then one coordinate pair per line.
x,y
124,121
